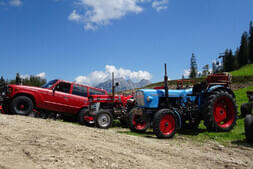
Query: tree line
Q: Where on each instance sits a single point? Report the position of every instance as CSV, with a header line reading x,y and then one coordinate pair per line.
x,y
29,81
230,60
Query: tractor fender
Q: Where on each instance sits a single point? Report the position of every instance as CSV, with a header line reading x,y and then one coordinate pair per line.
x,y
178,119
220,87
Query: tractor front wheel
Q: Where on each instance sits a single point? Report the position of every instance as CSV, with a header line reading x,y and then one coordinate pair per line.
x,y
248,125
103,119
85,119
137,123
164,124
220,111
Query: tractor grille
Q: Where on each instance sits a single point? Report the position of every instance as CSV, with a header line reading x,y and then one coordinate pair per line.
x,y
139,98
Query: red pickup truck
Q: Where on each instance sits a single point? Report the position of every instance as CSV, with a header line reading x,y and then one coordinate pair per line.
x,y
59,96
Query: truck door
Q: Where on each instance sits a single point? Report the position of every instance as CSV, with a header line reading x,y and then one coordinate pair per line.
x,y
59,100
79,97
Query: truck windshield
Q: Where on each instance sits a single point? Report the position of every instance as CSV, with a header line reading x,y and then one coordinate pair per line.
x,y
49,84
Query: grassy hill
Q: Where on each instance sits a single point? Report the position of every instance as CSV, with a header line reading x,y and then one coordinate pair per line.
x,y
244,71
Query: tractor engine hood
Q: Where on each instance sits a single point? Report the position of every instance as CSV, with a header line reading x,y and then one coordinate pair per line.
x,y
149,98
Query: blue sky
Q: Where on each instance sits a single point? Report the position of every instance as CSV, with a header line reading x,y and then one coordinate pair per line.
x,y
84,40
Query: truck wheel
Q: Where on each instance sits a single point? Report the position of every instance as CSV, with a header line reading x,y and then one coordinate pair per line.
x,y
83,118
137,123
220,111
22,105
164,124
103,119
245,109
248,125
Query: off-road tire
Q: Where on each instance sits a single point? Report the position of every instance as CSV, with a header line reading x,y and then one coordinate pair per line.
x,y
103,119
21,101
143,124
81,120
213,102
245,109
164,124
248,126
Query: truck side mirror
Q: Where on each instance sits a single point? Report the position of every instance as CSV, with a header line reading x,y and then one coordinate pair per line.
x,y
55,88
117,84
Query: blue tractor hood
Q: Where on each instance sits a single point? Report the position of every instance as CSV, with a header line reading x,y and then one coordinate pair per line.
x,y
151,96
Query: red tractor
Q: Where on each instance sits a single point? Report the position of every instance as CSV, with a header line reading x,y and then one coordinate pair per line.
x,y
103,109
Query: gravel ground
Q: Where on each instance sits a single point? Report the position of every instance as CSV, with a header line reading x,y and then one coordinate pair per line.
x,y
30,143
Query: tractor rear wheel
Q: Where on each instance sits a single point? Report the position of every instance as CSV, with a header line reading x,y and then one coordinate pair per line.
x,y
220,111
137,123
83,118
248,125
21,105
164,124
103,119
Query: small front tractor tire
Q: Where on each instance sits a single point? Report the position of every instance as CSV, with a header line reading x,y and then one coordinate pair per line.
x,y
103,119
245,109
248,126
164,123
220,111
21,105
81,118
137,123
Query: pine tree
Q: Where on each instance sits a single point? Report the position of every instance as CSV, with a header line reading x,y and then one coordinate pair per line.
x,y
251,42
244,52
2,80
228,61
194,67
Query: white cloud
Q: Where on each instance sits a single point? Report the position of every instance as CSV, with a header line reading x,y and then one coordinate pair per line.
x,y
160,5
74,16
42,75
97,77
15,2
96,13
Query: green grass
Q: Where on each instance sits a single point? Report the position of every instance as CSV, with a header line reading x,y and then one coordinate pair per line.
x,y
246,70
235,136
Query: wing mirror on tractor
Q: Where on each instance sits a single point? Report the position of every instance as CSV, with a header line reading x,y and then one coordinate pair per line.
x,y
116,84
55,88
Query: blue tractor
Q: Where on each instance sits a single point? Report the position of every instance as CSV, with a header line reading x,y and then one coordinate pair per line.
x,y
168,110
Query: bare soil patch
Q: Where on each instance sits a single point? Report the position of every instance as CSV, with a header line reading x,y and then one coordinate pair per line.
x,y
31,143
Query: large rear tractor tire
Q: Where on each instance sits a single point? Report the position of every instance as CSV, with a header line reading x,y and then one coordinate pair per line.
x,y
137,123
164,124
220,111
83,118
248,125
103,119
21,105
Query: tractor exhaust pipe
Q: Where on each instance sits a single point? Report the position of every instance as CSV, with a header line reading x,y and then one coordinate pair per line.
x,y
166,82
113,87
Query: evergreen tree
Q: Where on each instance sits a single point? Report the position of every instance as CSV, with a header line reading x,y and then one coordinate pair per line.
x,y
251,42
205,71
194,67
18,79
2,80
228,61
244,52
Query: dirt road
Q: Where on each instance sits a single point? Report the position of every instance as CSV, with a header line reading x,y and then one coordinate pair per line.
x,y
30,143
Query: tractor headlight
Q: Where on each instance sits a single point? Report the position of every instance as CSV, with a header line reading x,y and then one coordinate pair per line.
x,y
149,98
